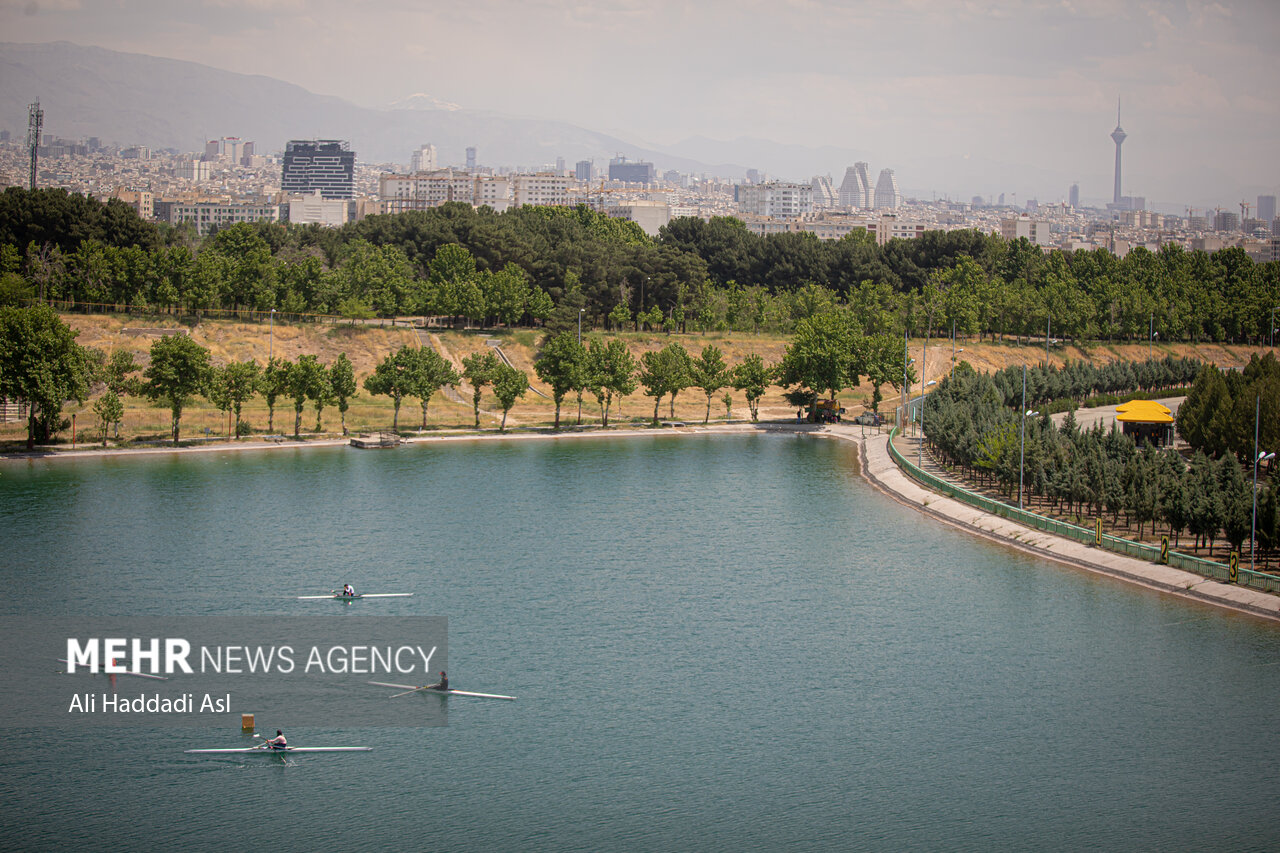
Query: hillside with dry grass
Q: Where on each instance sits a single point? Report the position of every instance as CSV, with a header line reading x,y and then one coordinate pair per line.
x,y
366,345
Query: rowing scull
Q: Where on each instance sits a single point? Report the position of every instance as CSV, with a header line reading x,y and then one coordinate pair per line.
x,y
337,596
278,749
409,688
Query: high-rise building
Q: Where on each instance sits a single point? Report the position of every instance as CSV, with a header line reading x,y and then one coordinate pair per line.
x,y
888,196
1267,208
582,170
1225,220
231,148
471,158
1073,197
423,159
775,198
636,172
1118,136
855,189
824,194
327,165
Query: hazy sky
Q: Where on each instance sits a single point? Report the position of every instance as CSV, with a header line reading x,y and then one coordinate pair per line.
x,y
949,94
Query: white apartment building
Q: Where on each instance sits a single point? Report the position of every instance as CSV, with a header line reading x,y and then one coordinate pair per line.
x,y
547,189
776,199
493,191
649,215
1034,230
425,190
890,227
207,216
193,170
314,209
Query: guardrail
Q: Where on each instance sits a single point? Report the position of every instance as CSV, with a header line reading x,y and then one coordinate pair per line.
x,y
1138,550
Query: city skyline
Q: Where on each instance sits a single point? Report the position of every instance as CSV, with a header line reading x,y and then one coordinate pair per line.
x,y
957,101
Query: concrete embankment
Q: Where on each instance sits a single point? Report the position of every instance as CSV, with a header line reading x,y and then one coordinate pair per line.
x,y
880,469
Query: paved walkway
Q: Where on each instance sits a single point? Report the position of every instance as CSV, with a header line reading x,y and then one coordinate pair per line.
x,y
878,467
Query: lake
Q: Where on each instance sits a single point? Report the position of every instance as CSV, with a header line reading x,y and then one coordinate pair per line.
x,y
718,643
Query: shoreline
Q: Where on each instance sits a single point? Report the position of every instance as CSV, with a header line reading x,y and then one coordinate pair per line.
x,y
875,466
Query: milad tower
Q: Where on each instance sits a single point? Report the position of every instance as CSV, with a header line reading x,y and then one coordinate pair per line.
x,y
1118,136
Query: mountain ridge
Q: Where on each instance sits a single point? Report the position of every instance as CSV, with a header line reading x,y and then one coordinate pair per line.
x,y
137,99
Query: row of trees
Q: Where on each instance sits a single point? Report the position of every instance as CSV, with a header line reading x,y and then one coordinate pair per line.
x,y
1078,380
1097,472
1234,411
695,275
180,370
235,270
610,372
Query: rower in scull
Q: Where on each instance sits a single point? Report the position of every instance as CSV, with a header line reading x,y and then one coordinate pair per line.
x,y
278,742
442,684
348,589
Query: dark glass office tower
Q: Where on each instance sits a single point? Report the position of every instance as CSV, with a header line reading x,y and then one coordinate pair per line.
x,y
327,165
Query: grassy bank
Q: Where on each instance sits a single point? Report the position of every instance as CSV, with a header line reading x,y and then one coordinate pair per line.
x,y
230,340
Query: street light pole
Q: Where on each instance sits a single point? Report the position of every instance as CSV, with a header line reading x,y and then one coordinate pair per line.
x,y
1273,325
1022,439
271,332
906,391
924,360
1257,457
580,311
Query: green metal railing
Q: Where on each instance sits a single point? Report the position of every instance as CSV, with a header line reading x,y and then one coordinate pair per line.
x,y
1138,550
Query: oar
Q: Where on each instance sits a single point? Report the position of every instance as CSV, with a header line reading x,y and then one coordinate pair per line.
x,y
407,692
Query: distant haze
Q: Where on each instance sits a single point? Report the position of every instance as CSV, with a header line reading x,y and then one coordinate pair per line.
x,y
959,98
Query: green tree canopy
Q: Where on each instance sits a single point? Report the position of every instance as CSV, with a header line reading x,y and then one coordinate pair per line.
x,y
179,370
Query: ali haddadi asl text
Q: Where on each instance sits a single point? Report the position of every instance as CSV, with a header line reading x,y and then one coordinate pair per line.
x,y
143,703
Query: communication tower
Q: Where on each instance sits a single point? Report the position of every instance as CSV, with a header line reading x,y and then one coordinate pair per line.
x,y
35,121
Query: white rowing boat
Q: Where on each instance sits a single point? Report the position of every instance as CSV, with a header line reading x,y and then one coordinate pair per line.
x,y
409,688
277,750
337,596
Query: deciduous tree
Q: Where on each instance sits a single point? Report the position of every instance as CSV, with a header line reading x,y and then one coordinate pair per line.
x,y
179,370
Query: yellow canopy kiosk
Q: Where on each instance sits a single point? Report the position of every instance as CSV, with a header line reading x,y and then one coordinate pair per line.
x,y
1146,420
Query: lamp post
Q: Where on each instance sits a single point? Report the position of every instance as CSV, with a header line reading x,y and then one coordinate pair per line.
x,y
1273,325
1257,457
271,336
920,460
906,391
1048,324
580,312
1022,438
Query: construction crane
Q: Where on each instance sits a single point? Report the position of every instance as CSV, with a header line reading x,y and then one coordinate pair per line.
x,y
1244,211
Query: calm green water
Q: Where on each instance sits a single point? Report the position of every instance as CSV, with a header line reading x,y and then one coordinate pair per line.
x,y
718,644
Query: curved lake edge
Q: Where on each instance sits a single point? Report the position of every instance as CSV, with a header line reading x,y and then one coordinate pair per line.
x,y
876,466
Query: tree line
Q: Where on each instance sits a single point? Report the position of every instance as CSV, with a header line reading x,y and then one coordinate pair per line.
x,y
970,425
541,265
1234,411
42,365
